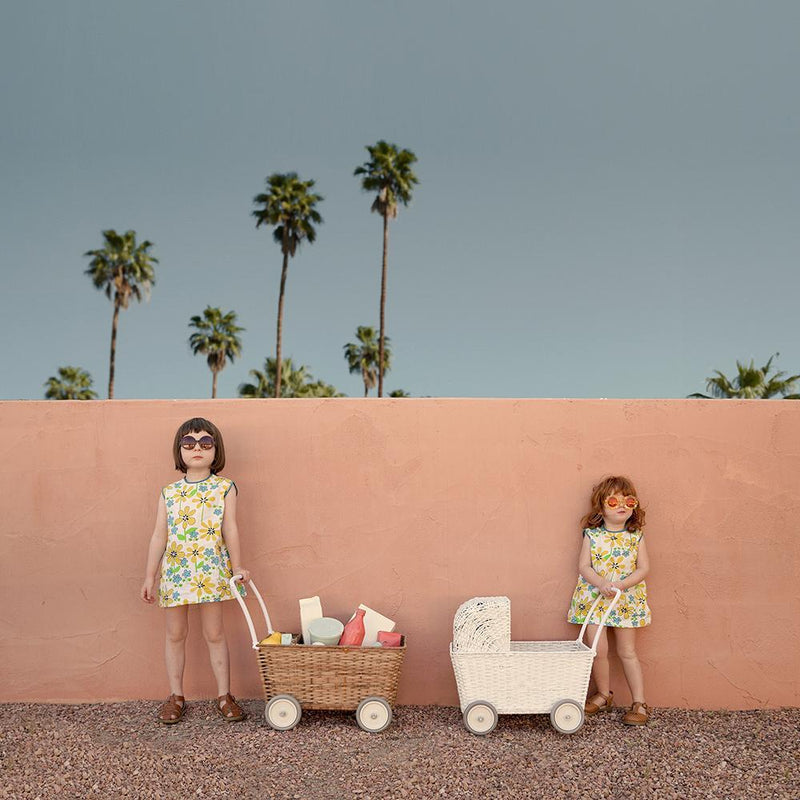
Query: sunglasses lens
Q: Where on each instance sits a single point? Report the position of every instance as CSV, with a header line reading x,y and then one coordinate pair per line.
x,y
189,442
629,502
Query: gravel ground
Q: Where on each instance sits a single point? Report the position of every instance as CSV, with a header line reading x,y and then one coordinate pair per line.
x,y
118,750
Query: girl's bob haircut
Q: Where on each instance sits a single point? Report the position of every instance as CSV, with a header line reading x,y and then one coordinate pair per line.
x,y
614,484
195,425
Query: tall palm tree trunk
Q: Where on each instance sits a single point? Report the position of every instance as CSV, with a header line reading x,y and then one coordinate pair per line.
x,y
383,301
284,270
112,357
366,384
216,367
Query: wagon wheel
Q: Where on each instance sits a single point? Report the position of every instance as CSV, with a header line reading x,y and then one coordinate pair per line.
x,y
480,717
373,714
282,712
567,716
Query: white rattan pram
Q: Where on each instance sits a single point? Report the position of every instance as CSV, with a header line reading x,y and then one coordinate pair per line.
x,y
497,676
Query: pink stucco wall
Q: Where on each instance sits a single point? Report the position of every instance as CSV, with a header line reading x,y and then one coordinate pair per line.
x,y
409,506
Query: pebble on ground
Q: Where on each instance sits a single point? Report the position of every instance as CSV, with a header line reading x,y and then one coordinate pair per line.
x,y
119,750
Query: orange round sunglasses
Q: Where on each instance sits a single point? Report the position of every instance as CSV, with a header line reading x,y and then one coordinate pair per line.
x,y
628,502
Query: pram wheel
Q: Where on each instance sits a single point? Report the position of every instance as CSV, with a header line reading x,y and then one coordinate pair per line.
x,y
480,717
373,714
567,716
282,712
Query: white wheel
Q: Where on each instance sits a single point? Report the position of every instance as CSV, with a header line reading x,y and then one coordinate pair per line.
x,y
480,717
567,716
282,712
373,714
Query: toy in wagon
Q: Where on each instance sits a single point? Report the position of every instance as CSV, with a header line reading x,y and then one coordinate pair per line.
x,y
497,676
338,667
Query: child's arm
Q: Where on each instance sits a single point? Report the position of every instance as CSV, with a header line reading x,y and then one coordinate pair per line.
x,y
158,543
642,568
230,532
588,574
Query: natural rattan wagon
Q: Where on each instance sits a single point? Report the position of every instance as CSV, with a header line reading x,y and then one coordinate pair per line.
x,y
298,676
497,676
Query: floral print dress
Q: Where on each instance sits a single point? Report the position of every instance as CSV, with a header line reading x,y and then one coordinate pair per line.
x,y
614,555
196,566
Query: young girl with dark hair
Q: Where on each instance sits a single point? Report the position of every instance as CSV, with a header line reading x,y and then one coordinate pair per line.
x,y
195,546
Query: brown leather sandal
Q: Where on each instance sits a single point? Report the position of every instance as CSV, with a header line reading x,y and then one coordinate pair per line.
x,y
590,708
172,710
638,715
228,708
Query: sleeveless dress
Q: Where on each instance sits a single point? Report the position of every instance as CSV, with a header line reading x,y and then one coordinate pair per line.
x,y
614,555
196,566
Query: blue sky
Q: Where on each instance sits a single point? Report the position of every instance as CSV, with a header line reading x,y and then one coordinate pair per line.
x,y
608,198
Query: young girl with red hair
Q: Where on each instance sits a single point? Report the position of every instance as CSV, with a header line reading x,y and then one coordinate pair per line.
x,y
614,556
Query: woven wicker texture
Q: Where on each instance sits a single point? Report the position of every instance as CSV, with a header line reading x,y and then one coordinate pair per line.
x,y
483,625
528,680
515,677
331,678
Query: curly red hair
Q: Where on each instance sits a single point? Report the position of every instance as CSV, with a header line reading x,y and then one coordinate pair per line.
x,y
614,484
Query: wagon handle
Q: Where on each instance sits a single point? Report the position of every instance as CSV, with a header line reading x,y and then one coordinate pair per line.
x,y
246,613
602,621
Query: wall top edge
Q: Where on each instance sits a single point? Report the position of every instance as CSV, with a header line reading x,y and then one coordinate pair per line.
x,y
206,402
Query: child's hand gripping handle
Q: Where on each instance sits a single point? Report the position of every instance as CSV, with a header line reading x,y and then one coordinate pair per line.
x,y
246,613
617,595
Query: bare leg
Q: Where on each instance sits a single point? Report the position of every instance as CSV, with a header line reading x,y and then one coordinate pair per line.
x,y
626,650
600,667
177,628
214,634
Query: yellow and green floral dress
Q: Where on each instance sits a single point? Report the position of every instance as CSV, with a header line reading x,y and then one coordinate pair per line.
x,y
196,566
614,555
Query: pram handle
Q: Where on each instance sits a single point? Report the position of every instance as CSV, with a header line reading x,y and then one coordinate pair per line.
x,y
610,608
246,613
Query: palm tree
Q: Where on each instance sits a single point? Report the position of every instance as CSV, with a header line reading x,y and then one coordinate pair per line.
x,y
321,389
752,383
123,269
216,336
289,206
388,172
72,383
297,382
262,387
362,356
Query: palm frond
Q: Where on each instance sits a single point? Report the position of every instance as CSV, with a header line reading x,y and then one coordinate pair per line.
x,y
122,268
216,335
71,383
388,172
751,382
296,381
289,206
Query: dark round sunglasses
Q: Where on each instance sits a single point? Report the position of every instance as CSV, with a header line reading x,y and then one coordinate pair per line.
x,y
189,442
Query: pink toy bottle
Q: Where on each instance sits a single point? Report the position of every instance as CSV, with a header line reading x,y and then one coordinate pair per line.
x,y
353,633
